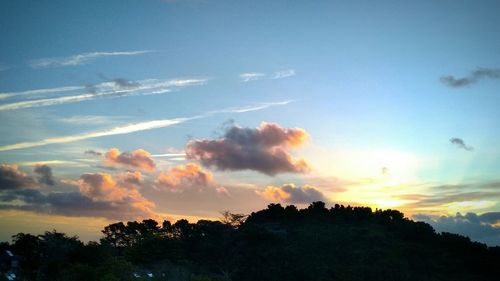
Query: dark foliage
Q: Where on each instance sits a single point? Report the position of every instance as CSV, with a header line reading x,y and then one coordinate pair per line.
x,y
277,243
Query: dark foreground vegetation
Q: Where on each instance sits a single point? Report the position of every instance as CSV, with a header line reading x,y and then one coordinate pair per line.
x,y
278,243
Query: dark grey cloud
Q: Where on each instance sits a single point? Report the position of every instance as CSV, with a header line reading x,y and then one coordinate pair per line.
x,y
44,174
472,78
12,178
461,143
477,227
93,153
289,193
98,195
69,204
263,149
121,83
124,83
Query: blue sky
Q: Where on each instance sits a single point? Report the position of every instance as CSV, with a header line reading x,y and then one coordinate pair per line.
x,y
364,81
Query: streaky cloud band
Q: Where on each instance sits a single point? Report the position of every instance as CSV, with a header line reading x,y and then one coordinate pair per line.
x,y
132,128
103,90
80,59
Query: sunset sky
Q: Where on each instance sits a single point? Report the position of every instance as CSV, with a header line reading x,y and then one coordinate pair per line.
x,y
124,110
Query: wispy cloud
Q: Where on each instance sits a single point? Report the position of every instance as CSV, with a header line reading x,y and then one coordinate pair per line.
x,y
283,74
472,78
90,119
132,128
40,92
105,90
253,76
126,129
80,58
256,107
461,144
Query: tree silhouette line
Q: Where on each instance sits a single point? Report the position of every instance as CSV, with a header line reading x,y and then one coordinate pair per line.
x,y
276,243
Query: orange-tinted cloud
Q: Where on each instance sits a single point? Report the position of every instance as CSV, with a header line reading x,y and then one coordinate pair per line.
x,y
121,189
263,149
290,193
138,159
184,176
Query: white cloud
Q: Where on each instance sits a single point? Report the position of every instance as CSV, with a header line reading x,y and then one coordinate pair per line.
x,y
131,128
283,74
103,90
127,129
253,76
80,58
90,119
40,92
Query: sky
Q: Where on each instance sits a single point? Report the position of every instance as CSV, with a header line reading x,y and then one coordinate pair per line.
x,y
124,110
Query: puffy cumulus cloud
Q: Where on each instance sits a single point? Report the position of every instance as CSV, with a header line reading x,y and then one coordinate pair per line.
x,y
44,174
73,204
99,195
13,178
290,193
184,177
480,228
263,149
105,187
140,159
131,178
122,189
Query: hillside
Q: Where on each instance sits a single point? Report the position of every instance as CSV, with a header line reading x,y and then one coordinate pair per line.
x,y
277,243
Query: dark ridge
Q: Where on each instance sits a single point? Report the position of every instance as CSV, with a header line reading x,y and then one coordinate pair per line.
x,y
277,243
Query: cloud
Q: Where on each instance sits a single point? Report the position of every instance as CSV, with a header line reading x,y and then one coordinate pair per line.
x,y
283,74
12,178
253,76
80,59
90,119
139,158
189,176
289,193
263,149
127,129
461,144
77,204
474,77
257,107
93,153
119,192
112,89
44,174
131,128
477,227
40,92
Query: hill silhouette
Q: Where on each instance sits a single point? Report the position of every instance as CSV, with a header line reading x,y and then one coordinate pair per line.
x,y
277,243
